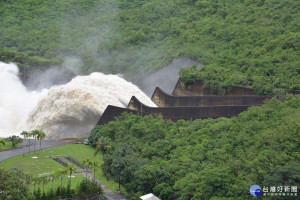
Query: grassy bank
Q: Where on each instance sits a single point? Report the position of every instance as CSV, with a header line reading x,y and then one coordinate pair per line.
x,y
45,164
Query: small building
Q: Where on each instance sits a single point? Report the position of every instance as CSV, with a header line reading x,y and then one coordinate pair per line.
x,y
149,197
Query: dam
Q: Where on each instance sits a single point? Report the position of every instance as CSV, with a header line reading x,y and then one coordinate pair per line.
x,y
189,103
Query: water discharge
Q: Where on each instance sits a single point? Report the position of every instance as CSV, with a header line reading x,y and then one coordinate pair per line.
x,y
15,101
62,111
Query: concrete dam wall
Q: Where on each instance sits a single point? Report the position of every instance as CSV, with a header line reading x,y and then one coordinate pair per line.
x,y
172,113
192,103
111,113
187,112
162,99
197,89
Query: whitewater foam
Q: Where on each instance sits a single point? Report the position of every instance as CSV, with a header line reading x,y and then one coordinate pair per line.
x,y
74,108
62,111
16,102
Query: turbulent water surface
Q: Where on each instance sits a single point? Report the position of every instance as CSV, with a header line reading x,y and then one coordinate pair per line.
x,y
61,111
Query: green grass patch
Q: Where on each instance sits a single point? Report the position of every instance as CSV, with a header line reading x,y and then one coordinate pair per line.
x,y
45,164
8,145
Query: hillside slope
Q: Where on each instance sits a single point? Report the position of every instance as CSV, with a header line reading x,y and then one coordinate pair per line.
x,y
246,43
205,159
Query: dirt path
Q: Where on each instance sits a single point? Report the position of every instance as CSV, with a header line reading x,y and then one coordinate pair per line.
x,y
107,192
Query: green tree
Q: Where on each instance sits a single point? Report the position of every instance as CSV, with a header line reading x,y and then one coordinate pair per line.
x,y
61,173
58,191
44,180
15,140
71,168
50,195
120,161
34,134
40,136
87,163
95,167
288,174
148,176
88,188
54,175
1,143
164,191
102,145
106,167
205,158
26,135
14,184
36,180
38,195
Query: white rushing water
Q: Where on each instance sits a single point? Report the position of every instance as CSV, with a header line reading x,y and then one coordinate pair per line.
x,y
62,111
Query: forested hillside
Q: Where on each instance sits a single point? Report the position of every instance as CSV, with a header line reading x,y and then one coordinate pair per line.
x,y
204,159
242,42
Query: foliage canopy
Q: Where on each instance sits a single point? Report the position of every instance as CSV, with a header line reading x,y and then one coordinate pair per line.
x,y
243,43
204,159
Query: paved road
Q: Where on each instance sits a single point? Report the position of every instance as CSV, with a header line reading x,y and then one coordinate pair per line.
x,y
24,148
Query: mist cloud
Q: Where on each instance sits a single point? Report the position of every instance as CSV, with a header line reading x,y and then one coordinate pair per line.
x,y
165,78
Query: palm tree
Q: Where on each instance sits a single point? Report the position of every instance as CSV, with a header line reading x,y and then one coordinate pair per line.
x,y
25,135
95,167
102,145
40,136
36,180
44,179
34,133
53,175
71,168
61,173
29,138
87,164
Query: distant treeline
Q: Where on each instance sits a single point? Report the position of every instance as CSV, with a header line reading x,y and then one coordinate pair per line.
x,y
252,43
26,64
204,159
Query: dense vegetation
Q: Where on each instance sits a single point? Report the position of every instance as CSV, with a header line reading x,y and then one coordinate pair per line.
x,y
26,64
14,185
243,42
84,190
205,159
